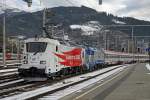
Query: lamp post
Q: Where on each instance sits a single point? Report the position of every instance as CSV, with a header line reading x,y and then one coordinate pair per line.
x,y
12,46
132,34
105,39
100,2
4,35
44,21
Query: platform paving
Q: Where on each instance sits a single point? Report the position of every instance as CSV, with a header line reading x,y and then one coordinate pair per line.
x,y
131,84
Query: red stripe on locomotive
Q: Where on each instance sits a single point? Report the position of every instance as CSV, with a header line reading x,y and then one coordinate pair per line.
x,y
71,58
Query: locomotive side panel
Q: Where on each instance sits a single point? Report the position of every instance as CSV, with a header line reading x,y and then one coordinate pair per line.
x,y
69,56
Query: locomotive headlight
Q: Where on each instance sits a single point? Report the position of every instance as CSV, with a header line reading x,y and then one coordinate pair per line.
x,y
25,62
42,62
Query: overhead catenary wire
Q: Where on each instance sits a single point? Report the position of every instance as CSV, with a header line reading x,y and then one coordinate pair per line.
x,y
4,32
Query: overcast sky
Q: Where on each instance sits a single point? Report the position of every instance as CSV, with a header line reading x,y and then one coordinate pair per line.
x,y
135,8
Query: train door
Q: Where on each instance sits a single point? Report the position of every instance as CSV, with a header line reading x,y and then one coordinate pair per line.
x,y
57,66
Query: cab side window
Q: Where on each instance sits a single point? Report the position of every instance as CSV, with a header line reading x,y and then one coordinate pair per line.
x,y
56,48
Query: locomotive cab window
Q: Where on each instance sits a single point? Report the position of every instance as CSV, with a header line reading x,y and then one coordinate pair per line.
x,y
36,47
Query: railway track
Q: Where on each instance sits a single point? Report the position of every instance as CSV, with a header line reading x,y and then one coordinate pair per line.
x,y
6,80
20,86
23,88
2,71
9,67
8,74
17,88
10,63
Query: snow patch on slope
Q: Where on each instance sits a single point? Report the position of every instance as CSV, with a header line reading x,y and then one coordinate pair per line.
x,y
88,28
118,22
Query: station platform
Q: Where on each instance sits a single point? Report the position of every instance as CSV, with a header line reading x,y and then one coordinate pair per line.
x,y
132,84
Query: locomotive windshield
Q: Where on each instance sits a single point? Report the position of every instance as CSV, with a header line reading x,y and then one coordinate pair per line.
x,y
35,47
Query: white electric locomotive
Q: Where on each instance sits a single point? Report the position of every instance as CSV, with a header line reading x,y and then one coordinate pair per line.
x,y
48,58
44,57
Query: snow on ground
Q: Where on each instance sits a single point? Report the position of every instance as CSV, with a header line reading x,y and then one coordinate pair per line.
x,y
60,84
148,66
118,22
8,70
12,82
8,74
79,87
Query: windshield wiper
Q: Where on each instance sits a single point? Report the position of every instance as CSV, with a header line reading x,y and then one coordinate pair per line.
x,y
38,50
35,52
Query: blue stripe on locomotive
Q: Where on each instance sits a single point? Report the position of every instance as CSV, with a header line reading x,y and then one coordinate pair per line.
x,y
88,53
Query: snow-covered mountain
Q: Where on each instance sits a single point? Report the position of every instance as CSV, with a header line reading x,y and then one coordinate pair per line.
x,y
85,19
81,24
